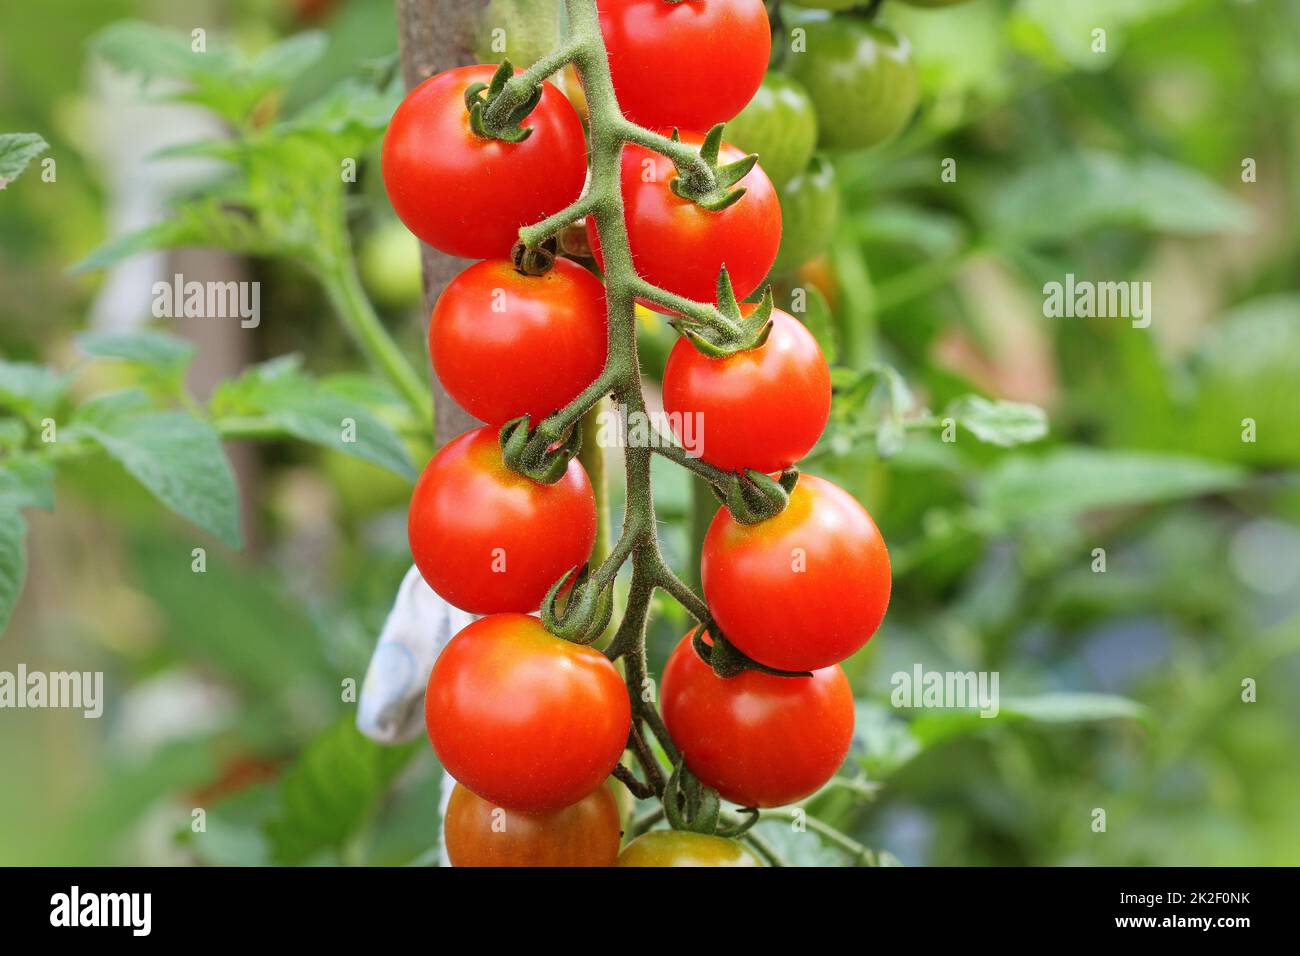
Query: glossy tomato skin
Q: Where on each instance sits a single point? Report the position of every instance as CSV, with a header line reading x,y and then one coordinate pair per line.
x,y
525,720
763,408
759,740
490,540
680,246
802,590
685,64
682,848
468,195
478,833
506,344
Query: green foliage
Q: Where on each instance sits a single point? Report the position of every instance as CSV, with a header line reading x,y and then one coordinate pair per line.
x,y
330,792
999,422
307,409
16,151
31,390
13,562
1070,481
221,79
175,455
1078,192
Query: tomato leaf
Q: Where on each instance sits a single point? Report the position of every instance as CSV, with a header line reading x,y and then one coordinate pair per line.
x,y
882,739
214,75
205,223
13,562
1083,191
163,357
173,454
329,793
999,422
30,389
307,409
16,151
1070,481
26,482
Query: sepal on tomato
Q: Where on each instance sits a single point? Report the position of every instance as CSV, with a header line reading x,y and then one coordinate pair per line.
x,y
732,331
479,98
531,453
587,609
718,194
752,496
726,660
688,804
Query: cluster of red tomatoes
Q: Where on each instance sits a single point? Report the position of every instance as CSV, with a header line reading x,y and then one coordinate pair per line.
x,y
532,726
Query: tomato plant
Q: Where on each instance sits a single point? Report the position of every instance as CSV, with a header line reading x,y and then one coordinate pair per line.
x,y
521,710
763,408
683,848
685,64
586,833
524,719
803,589
505,343
758,739
470,194
488,539
679,245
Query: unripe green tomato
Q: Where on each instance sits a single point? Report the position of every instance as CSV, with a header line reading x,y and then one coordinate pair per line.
x,y
861,78
389,261
779,124
810,208
681,848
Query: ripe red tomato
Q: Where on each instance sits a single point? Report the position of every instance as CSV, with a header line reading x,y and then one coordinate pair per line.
x,y
477,833
488,539
468,195
679,245
524,719
506,344
682,848
685,64
759,740
804,589
763,408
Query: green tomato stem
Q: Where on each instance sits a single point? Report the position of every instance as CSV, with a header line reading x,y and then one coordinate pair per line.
x,y
343,287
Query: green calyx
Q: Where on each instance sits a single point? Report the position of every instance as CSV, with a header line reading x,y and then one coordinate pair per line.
x,y
534,454
493,117
725,660
718,193
695,808
587,610
728,331
752,496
